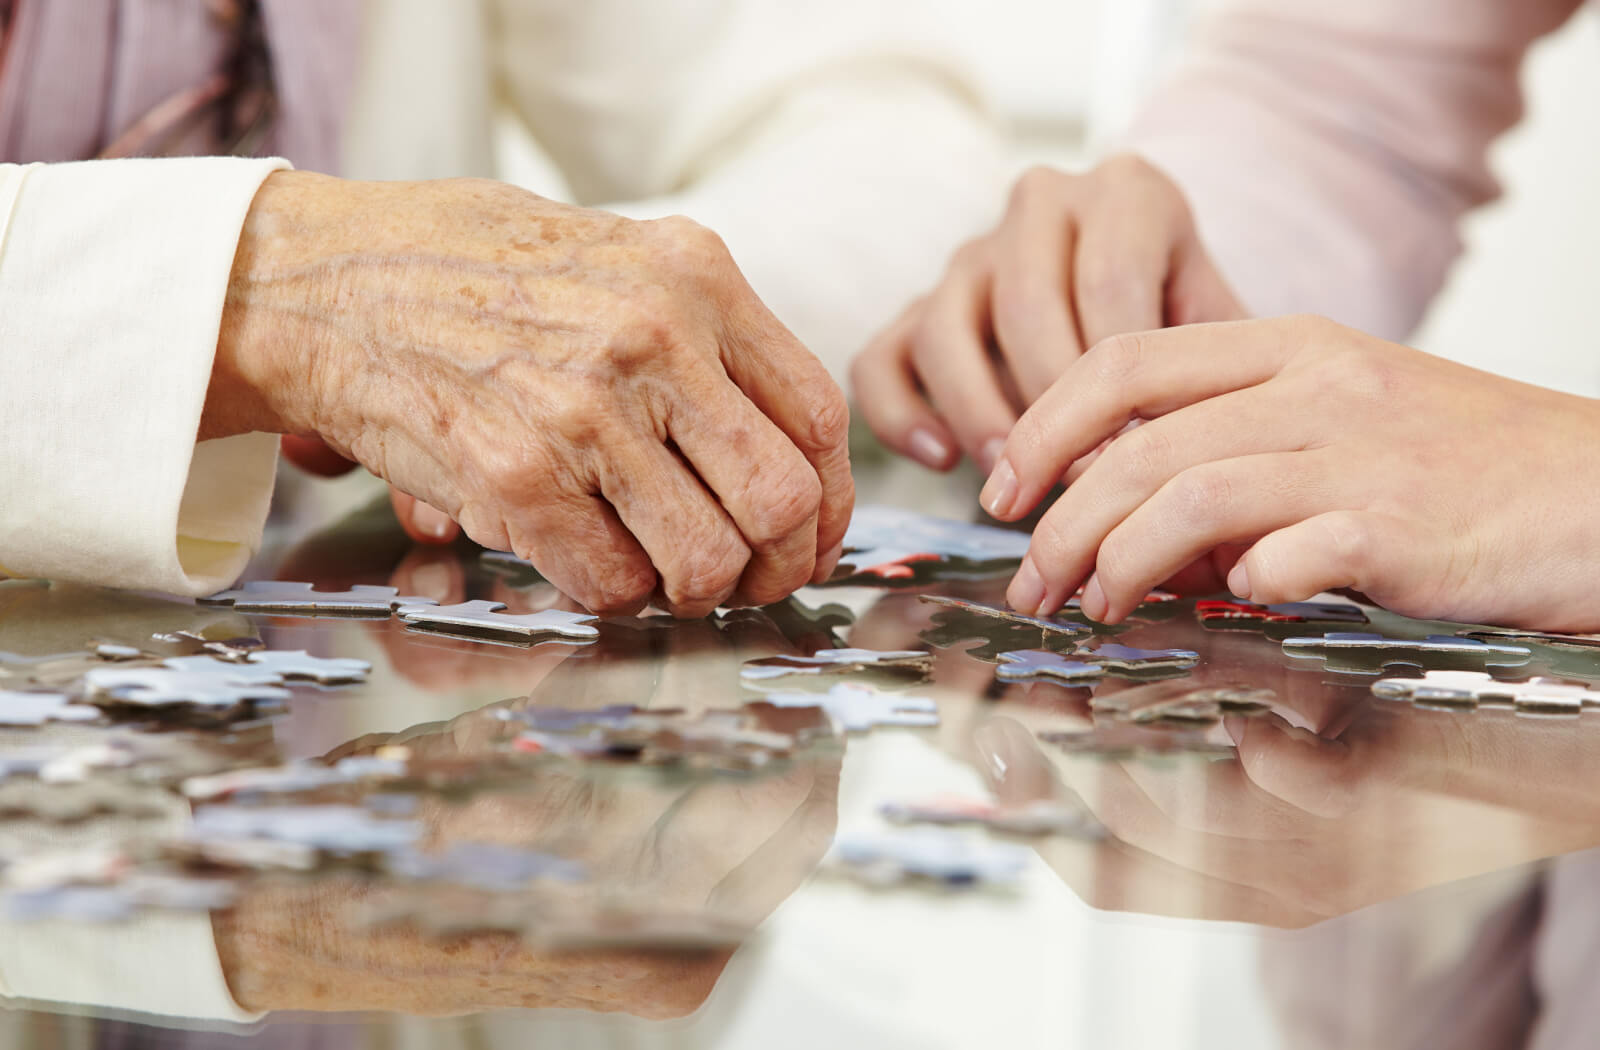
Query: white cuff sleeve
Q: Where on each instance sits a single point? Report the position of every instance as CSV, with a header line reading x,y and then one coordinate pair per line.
x,y
112,281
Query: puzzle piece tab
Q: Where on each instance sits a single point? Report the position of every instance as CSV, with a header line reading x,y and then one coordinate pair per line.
x,y
489,617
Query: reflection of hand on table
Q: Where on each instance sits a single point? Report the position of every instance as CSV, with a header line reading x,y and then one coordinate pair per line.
x,y
734,847
1387,800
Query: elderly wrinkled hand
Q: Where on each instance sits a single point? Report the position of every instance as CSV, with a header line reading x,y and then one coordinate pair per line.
x,y
1076,259
604,397
1293,456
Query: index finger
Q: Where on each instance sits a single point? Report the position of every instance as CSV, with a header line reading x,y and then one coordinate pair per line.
x,y
789,385
1128,377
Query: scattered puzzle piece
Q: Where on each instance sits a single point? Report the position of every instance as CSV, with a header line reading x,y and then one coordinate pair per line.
x,y
1359,653
333,829
1506,635
928,855
1043,663
886,543
164,687
35,709
1196,707
300,599
1129,660
1467,690
277,666
489,617
855,708
1063,629
839,661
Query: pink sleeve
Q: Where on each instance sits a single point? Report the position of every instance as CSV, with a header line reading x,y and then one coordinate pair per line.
x,y
1330,150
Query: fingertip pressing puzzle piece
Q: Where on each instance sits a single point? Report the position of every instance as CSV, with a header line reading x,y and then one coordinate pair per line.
x,y
914,662
1362,653
489,617
1468,690
292,598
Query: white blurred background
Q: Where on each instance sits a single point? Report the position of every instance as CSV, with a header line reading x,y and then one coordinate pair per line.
x,y
1066,74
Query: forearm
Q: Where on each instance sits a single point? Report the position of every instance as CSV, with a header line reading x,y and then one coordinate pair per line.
x,y
1330,154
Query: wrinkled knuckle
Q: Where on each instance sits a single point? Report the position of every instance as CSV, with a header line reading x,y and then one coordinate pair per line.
x,y
1143,455
830,417
709,576
622,590
786,501
1200,496
1114,361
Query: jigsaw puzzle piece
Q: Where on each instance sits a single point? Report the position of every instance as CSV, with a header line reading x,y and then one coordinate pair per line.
x,y
165,687
1125,742
1468,690
1028,664
1128,660
1362,653
1055,628
913,662
886,543
277,666
489,617
302,599
1040,817
1237,615
37,708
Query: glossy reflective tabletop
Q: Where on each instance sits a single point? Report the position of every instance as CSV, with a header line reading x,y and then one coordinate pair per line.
x,y
1355,872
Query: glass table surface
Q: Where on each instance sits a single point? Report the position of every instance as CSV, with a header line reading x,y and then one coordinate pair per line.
x,y
1344,871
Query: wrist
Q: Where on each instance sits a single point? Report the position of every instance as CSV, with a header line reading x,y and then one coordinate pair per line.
x,y
271,339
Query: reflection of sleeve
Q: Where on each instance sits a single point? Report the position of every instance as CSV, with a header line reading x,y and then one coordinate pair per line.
x,y
112,278
162,964
1331,150
839,155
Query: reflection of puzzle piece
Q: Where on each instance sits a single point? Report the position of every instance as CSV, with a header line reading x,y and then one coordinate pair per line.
x,y
283,596
1227,615
839,661
276,666
855,708
1506,635
294,777
798,622
35,709
1125,742
1467,690
1040,817
484,865
1062,629
332,829
886,542
164,687
488,617
932,855
1357,653
1175,704
1042,663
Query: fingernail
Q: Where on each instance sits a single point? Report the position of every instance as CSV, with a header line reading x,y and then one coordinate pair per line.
x,y
827,563
1093,603
928,448
1000,491
1026,593
989,454
431,521
431,581
1239,581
